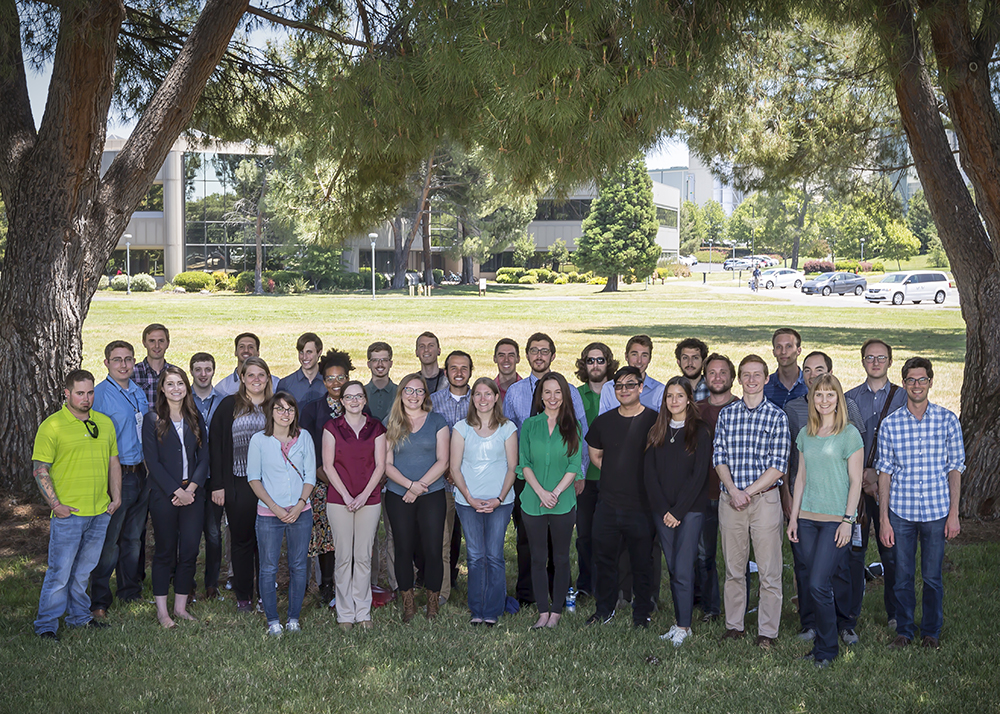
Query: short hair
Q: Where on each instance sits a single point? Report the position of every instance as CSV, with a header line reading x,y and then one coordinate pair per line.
x,y
824,355
236,342
691,343
918,363
541,337
752,359
458,353
716,357
639,340
287,398
428,333
305,338
201,357
876,341
787,331
379,347
626,371
581,362
117,345
506,341
156,327
77,375
350,383
336,358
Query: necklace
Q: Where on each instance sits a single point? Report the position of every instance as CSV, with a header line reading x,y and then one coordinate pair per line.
x,y
675,431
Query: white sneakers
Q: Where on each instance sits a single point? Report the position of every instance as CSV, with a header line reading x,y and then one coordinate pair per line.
x,y
274,630
676,635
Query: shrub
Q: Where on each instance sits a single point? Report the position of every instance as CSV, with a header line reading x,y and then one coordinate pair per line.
x,y
580,278
562,279
119,283
663,273
437,273
380,280
597,280
544,275
818,266
527,280
682,271
877,266
222,280
571,277
104,283
513,272
271,280
300,285
505,278
143,283
194,281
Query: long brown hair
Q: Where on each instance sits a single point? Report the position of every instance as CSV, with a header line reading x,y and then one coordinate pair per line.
x,y
566,418
398,425
188,410
692,419
497,419
293,427
243,404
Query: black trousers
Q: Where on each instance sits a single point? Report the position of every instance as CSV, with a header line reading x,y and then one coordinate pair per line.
x,y
523,590
212,528
586,502
611,526
557,531
178,535
426,516
241,511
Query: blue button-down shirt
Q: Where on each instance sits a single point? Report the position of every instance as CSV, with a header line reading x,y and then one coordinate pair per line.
x,y
301,388
122,406
871,403
751,441
207,406
650,397
517,408
701,392
918,454
775,391
453,410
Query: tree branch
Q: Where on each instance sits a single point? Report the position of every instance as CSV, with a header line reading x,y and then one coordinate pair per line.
x,y
988,33
17,127
298,25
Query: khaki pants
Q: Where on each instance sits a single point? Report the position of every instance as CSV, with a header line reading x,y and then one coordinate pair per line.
x,y
760,522
449,525
353,535
390,555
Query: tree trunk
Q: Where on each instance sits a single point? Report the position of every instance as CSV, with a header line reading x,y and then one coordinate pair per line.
x,y
467,277
426,224
957,218
612,285
800,223
258,286
401,248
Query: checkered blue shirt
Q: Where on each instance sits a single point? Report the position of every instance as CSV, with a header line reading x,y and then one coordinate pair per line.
x,y
918,455
751,441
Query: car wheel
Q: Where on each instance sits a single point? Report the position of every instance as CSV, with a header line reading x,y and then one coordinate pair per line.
x,y
826,291
769,284
798,284
859,290
939,297
897,299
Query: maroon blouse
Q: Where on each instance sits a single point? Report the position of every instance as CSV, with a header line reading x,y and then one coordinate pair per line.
x,y
354,457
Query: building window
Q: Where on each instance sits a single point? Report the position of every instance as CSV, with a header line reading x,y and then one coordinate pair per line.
x,y
667,217
575,209
152,202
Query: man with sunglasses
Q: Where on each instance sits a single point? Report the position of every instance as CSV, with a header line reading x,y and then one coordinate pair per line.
x,y
921,457
75,464
638,354
125,403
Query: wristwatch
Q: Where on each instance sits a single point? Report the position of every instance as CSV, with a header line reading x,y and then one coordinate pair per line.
x,y
849,519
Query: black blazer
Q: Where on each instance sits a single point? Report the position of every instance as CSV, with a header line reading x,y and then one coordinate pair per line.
x,y
163,458
220,450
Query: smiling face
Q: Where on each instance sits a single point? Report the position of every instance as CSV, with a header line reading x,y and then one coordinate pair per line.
x,y
718,376
876,361
918,385
506,358
428,351
628,390
354,399
639,357
676,400
334,379
80,397
484,399
825,401
380,363
690,362
174,389
459,372
540,356
255,378
246,347
813,368
121,364
752,378
283,413
413,394
203,373
156,344
785,350
552,396
309,356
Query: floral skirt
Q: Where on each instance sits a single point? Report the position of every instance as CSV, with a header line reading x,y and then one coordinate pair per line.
x,y
322,536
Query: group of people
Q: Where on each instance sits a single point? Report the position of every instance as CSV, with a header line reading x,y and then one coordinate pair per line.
x,y
635,466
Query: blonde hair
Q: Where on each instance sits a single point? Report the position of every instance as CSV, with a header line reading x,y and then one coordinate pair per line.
x,y
398,425
830,383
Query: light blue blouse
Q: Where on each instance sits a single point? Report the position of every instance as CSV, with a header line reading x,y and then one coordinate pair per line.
x,y
282,478
484,462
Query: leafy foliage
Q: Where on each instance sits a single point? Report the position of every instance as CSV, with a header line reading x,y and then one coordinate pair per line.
x,y
194,280
919,220
524,249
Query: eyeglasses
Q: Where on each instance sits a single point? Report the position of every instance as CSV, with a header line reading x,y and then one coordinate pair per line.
x,y
626,386
284,410
331,378
596,360
121,360
410,391
877,358
913,381
91,428
539,351
353,397
380,360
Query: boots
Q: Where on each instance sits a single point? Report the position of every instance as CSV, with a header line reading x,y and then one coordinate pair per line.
x,y
409,608
432,604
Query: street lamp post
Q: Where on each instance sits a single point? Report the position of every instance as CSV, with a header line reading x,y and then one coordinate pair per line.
x,y
862,249
373,237
128,264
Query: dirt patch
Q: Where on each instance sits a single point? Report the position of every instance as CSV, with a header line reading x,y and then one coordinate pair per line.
x,y
977,531
24,528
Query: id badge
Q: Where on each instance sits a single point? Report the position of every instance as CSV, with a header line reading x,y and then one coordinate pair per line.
x,y
138,426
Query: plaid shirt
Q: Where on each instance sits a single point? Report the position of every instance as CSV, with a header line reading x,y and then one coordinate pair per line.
x,y
751,441
918,455
146,379
453,410
701,392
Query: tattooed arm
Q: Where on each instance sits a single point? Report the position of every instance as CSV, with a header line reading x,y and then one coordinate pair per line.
x,y
48,489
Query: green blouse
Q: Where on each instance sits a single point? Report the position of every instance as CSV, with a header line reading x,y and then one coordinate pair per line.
x,y
545,455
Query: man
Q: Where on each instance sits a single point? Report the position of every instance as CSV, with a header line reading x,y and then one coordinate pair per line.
x,y
305,384
617,444
690,354
206,401
719,376
506,355
921,458
596,362
751,455
380,390
814,366
638,354
517,406
877,398
156,340
428,351
453,404
786,383
247,345
75,464
124,403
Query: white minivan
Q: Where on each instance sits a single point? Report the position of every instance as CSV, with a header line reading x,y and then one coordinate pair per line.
x,y
914,286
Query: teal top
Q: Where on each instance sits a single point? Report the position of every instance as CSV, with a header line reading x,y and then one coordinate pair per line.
x,y
827,481
545,455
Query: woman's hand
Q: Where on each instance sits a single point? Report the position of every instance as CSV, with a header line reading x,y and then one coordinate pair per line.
x,y
793,530
843,536
669,521
219,497
280,512
417,488
182,497
408,497
548,499
292,514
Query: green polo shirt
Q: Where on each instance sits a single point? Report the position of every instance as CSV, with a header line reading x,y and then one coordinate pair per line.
x,y
545,455
80,462
591,406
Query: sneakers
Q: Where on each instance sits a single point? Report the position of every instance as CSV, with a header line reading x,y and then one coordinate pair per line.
x,y
292,626
892,624
807,635
274,629
570,599
669,634
849,637
596,619
680,634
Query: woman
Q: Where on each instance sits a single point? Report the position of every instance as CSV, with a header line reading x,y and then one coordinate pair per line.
x,y
175,449
483,468
335,366
238,417
678,456
549,463
416,458
354,462
281,470
824,505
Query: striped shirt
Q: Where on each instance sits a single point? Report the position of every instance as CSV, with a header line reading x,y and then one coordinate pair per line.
x,y
751,441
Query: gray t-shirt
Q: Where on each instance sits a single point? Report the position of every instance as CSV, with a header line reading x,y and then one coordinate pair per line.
x,y
415,455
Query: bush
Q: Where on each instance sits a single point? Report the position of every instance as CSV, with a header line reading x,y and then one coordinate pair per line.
x,y
527,280
505,279
682,271
818,266
271,280
437,273
380,280
562,279
877,266
119,283
597,280
222,279
580,278
143,283
194,281
514,272
544,275
104,283
853,266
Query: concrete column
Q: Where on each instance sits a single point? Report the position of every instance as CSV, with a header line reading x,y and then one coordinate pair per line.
x,y
173,215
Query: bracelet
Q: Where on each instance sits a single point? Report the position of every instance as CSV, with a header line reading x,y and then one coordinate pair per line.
x,y
849,519
410,486
302,499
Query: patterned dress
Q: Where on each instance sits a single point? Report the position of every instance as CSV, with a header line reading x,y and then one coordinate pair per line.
x,y
313,422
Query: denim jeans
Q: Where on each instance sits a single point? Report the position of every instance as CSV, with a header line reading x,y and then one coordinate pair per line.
x,y
120,553
270,531
707,582
930,536
680,549
888,558
822,559
75,546
484,539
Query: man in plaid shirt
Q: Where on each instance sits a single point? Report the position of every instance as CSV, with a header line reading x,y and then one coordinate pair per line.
x,y
156,340
751,455
921,458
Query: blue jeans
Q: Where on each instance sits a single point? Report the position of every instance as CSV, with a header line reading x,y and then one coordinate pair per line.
x,y
930,535
270,531
74,548
484,538
821,560
120,554
680,549
707,581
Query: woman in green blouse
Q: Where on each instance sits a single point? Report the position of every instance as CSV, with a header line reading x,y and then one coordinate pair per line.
x,y
550,463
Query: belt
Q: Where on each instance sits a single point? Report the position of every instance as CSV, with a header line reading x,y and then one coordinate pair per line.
x,y
771,488
132,468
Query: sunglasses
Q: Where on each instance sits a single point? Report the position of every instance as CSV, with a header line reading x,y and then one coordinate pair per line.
x,y
91,428
596,360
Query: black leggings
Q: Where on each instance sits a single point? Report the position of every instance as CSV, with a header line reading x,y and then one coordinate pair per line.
x,y
539,528
175,526
241,512
425,515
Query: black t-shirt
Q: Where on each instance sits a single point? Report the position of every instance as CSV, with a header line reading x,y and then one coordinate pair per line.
x,y
623,440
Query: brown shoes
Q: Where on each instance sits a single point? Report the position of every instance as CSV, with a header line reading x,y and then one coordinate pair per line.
x,y
433,603
99,614
899,643
931,642
733,635
766,643
409,608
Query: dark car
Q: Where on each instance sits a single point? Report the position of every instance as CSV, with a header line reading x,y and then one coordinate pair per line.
x,y
840,283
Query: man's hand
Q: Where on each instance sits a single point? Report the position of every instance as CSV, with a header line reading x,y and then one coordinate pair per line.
x,y
738,500
887,536
952,527
869,482
64,511
113,506
578,486
219,497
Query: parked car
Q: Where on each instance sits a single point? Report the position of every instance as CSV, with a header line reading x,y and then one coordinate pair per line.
x,y
737,264
782,278
840,283
687,260
764,261
913,285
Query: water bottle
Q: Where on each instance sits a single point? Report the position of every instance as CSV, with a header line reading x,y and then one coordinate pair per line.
x,y
571,599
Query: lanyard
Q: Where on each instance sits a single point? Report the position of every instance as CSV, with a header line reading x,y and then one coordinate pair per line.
x,y
134,405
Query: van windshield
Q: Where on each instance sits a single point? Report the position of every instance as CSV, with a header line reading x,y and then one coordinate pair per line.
x,y
894,278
